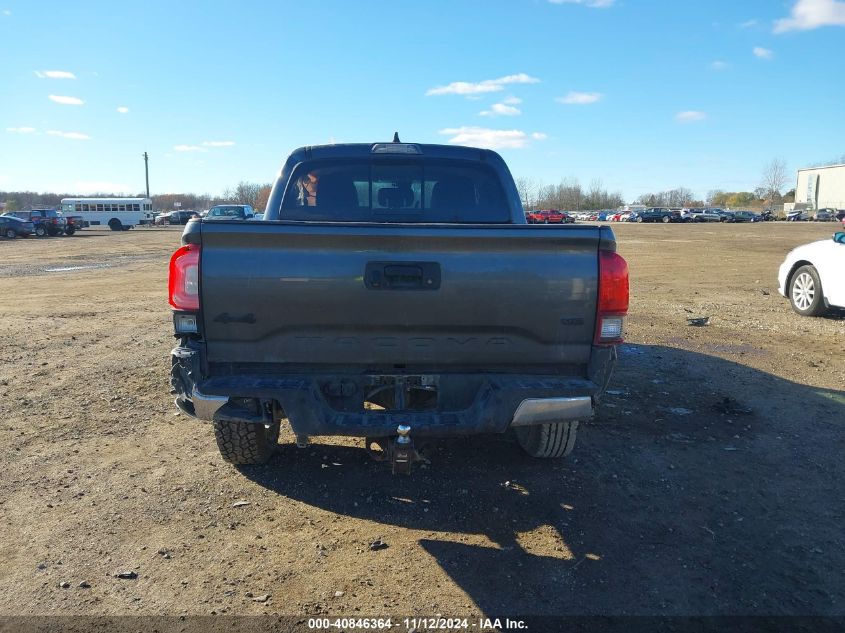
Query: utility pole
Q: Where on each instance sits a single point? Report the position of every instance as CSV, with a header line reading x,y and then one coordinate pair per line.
x,y
147,172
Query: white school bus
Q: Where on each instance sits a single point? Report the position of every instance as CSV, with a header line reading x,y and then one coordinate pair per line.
x,y
119,214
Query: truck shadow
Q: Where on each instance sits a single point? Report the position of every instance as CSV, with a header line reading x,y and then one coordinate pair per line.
x,y
703,487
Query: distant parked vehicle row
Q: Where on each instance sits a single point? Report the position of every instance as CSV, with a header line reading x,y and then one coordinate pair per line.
x,y
686,214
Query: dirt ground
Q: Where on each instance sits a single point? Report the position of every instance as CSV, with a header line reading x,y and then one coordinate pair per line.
x,y
710,483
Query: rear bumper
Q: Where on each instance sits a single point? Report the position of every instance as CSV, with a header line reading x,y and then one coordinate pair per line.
x,y
493,403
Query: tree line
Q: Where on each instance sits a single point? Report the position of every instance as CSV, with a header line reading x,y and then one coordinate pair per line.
x,y
567,194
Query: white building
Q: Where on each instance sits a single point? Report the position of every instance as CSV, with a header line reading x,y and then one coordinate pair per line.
x,y
821,187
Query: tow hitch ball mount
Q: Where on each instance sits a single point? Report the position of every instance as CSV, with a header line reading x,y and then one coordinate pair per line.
x,y
399,451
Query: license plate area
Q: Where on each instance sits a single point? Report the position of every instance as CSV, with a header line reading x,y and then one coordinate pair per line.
x,y
401,393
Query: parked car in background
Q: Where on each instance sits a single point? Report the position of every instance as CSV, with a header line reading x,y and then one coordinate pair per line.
x,y
798,215
73,223
551,216
659,214
533,217
230,212
175,217
12,227
825,215
708,215
811,276
687,213
745,216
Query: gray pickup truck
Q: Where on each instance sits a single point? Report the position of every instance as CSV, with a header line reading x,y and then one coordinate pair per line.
x,y
394,292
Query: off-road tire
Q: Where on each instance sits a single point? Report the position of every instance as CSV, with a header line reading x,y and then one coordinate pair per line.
x,y
805,292
70,230
556,439
245,442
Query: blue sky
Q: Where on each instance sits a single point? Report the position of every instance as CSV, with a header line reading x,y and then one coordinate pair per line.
x,y
644,95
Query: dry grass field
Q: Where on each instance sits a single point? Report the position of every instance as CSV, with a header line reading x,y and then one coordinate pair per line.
x,y
711,482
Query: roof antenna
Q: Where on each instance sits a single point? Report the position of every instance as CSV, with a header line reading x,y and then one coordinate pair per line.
x,y
396,137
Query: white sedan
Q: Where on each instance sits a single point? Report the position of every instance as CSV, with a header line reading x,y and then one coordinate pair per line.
x,y
813,276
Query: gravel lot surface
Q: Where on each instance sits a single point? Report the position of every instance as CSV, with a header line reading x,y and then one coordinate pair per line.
x,y
710,483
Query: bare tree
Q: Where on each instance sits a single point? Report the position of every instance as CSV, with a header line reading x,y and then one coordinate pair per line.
x,y
774,178
526,188
244,193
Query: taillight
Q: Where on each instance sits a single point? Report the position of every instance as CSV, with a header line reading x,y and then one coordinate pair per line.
x,y
613,299
184,283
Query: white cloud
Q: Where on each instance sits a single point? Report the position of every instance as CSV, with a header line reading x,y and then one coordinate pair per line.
x,y
689,116
719,65
812,14
123,109
66,100
188,148
748,24
76,136
89,187
488,85
593,4
21,130
501,109
763,53
539,136
580,98
490,139
54,74
512,101
218,143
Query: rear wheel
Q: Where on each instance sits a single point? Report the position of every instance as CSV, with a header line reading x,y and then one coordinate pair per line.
x,y
40,231
10,233
556,439
665,219
70,230
805,292
115,225
245,442
640,219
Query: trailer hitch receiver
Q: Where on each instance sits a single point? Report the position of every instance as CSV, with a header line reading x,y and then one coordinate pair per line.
x,y
399,451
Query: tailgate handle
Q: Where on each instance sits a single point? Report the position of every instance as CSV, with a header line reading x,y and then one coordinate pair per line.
x,y
402,275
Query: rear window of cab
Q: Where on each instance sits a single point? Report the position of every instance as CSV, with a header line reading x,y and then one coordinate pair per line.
x,y
427,191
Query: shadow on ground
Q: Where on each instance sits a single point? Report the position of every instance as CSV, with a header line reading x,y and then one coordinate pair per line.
x,y
704,487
